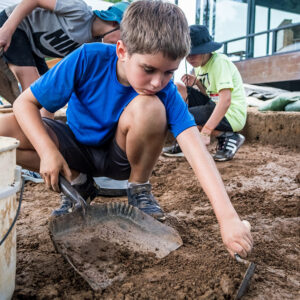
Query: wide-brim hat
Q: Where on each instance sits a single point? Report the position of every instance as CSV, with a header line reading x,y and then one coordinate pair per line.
x,y
113,13
201,41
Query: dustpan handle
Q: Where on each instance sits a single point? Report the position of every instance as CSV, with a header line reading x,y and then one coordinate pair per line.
x,y
69,191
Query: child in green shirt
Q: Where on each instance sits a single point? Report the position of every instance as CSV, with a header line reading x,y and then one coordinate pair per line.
x,y
219,104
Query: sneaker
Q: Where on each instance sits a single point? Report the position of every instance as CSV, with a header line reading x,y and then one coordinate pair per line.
x,y
228,144
140,196
173,151
88,190
65,207
32,176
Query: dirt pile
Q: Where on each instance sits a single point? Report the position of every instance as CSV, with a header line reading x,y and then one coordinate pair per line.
x,y
263,184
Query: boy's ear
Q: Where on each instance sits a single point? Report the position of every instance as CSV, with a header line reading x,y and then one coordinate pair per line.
x,y
121,50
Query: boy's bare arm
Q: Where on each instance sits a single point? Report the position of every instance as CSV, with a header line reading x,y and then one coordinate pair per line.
x,y
219,111
236,236
20,12
26,110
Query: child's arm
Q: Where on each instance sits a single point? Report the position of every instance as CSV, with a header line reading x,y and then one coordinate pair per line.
x,y
218,113
191,80
236,236
20,12
26,110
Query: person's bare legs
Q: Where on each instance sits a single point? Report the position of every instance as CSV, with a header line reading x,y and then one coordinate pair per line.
x,y
141,133
27,157
26,75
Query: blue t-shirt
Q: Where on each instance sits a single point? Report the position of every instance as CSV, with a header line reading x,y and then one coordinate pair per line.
x,y
87,80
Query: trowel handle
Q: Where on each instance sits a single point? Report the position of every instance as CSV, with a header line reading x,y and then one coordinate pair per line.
x,y
68,190
240,260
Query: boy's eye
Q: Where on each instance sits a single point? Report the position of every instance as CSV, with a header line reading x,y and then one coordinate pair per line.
x,y
170,72
148,70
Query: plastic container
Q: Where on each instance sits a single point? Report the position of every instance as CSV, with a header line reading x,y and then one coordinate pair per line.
x,y
10,183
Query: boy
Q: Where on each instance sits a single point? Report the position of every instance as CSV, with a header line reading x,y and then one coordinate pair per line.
x,y
219,104
121,103
35,29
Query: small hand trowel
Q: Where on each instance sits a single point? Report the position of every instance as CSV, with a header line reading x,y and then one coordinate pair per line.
x,y
249,272
247,276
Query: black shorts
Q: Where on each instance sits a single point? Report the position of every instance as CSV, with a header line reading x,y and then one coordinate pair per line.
x,y
201,107
20,52
107,160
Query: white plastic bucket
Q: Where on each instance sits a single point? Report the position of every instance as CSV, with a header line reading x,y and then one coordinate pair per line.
x,y
10,182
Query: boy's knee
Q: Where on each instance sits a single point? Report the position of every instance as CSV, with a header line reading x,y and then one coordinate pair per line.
x,y
146,110
8,125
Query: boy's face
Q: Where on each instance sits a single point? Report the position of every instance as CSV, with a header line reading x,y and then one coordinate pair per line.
x,y
196,60
146,73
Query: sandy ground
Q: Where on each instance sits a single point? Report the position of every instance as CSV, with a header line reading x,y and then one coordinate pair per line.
x,y
263,183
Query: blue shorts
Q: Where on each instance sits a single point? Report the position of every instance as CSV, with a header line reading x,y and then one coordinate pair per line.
x,y
19,52
107,160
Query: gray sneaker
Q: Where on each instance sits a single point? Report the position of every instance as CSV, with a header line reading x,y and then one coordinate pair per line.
x,y
88,190
141,197
32,176
66,206
173,151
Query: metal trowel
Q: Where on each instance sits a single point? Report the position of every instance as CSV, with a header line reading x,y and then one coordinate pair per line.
x,y
247,276
249,272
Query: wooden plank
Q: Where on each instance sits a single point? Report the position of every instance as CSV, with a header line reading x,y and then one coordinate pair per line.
x,y
275,68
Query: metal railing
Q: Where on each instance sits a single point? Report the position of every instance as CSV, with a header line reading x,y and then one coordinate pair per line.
x,y
250,40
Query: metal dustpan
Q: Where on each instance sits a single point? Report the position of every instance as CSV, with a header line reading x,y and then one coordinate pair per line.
x,y
95,243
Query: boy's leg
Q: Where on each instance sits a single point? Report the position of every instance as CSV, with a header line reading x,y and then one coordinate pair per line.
x,y
141,133
26,154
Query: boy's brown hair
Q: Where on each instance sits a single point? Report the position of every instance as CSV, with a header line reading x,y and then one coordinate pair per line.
x,y
151,26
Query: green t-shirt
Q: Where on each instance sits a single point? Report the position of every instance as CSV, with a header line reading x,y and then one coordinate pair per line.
x,y
220,73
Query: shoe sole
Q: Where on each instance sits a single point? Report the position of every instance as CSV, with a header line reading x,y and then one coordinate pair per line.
x,y
174,155
35,180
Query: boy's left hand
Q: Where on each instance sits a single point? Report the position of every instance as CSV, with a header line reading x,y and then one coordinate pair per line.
x,y
237,237
205,139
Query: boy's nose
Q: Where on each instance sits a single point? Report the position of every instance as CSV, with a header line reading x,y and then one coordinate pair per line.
x,y
157,81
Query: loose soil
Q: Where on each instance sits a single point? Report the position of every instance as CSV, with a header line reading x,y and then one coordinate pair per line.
x,y
263,184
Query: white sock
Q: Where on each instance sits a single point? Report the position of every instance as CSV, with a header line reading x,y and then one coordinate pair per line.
x,y
80,179
130,184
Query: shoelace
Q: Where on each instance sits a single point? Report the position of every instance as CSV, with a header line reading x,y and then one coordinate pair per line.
x,y
221,144
144,197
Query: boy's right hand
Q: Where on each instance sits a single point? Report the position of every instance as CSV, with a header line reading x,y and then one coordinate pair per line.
x,y
51,165
188,79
